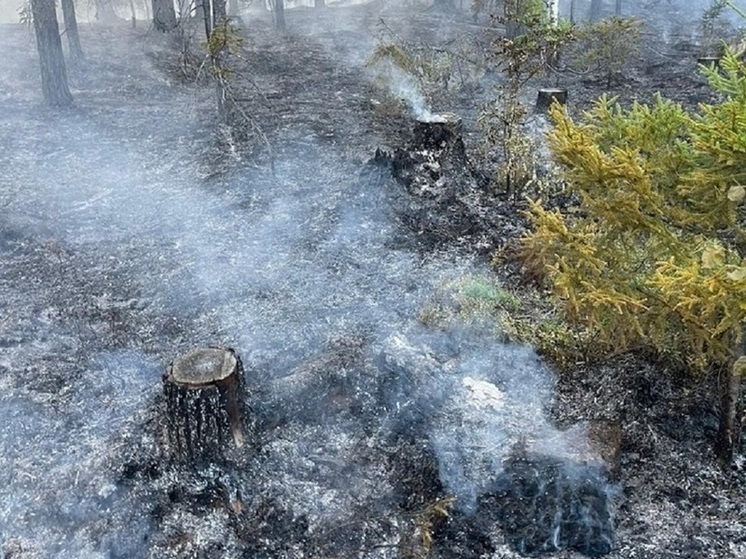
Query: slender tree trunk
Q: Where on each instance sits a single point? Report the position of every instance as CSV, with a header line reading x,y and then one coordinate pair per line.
x,y
232,8
319,4
280,14
133,14
572,11
618,7
219,18
147,9
184,9
164,15
218,12
729,437
595,11
207,18
105,12
71,30
51,60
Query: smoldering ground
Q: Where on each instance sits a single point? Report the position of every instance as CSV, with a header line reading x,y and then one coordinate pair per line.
x,y
116,257
121,249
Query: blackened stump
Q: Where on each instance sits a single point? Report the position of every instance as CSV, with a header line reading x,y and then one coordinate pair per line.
x,y
709,61
203,390
447,200
548,95
439,132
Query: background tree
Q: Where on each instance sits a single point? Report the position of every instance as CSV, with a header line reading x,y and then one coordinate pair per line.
x,y
164,15
594,13
218,12
51,60
71,30
280,14
444,5
206,18
105,12
654,254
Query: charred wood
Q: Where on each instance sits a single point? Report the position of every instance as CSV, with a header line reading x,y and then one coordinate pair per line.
x,y
204,400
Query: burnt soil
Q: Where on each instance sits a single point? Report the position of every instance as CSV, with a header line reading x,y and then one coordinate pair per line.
x,y
78,325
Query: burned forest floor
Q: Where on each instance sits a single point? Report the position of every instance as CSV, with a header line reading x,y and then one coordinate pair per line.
x,y
389,414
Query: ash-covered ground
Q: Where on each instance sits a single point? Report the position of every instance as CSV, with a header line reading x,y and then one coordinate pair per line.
x,y
134,227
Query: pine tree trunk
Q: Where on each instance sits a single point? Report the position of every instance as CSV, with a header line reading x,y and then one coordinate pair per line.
x,y
595,11
219,18
206,18
184,10
51,60
133,14
280,14
71,30
164,15
729,436
218,12
203,391
618,8
105,12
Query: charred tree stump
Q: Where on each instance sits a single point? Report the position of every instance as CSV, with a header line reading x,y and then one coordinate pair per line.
x,y
547,96
443,131
447,198
203,390
709,61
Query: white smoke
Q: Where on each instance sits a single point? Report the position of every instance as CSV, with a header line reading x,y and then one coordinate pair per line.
x,y
403,87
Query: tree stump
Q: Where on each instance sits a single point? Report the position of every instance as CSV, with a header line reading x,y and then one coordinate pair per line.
x,y
438,131
548,95
203,390
709,61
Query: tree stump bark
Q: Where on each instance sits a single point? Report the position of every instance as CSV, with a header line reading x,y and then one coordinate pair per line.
x,y
438,132
548,95
709,61
203,390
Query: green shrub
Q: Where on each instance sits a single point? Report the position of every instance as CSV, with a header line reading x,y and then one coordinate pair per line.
x,y
605,48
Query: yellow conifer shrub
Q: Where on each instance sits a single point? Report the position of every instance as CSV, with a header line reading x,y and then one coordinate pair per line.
x,y
654,253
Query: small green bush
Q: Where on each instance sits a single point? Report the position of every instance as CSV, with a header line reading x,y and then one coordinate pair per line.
x,y
605,49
